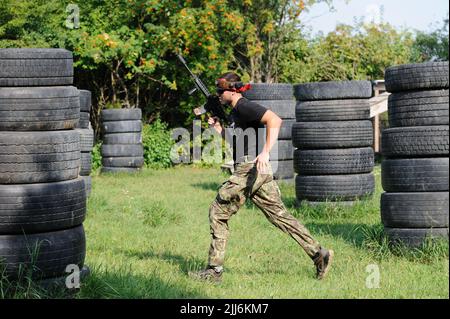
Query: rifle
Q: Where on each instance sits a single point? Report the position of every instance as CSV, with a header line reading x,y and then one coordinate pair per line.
x,y
212,105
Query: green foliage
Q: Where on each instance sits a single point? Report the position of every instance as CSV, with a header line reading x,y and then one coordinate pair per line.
x,y
433,45
96,157
157,142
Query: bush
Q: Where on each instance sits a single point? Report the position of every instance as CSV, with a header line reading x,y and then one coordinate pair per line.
x,y
96,157
157,142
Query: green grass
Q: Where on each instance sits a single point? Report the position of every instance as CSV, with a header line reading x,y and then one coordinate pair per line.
x,y
145,232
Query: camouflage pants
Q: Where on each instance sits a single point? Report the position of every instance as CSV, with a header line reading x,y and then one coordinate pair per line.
x,y
245,183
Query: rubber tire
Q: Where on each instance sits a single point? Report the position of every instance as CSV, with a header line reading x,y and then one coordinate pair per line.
x,y
285,109
86,139
329,135
86,164
39,108
85,101
334,161
270,91
122,138
415,141
122,150
418,108
122,127
332,110
84,120
334,187
282,150
414,237
39,157
119,170
87,184
333,90
282,169
123,161
415,210
415,175
121,115
417,76
56,250
43,207
35,67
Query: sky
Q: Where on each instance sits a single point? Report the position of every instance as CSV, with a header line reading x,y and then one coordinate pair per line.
x,y
413,14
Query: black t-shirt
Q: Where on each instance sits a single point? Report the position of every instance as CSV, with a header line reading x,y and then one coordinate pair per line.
x,y
248,131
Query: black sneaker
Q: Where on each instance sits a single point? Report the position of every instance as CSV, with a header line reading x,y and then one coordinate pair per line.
x,y
208,274
322,261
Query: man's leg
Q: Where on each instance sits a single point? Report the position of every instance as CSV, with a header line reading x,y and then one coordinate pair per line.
x,y
230,197
268,199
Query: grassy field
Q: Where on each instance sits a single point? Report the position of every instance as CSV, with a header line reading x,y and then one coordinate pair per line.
x,y
145,232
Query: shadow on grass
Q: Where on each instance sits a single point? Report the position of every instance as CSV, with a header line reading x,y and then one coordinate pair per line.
x,y
108,284
185,264
207,186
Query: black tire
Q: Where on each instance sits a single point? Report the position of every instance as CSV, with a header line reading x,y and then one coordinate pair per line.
x,y
270,91
86,164
333,90
414,237
414,210
122,127
47,254
87,184
35,67
415,175
85,101
334,187
418,76
285,109
39,157
121,115
332,110
43,207
122,138
329,135
286,130
118,170
418,108
86,139
334,161
39,108
282,169
282,150
415,141
123,161
122,150
84,120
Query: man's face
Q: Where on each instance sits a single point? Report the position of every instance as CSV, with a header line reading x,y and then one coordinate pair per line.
x,y
224,97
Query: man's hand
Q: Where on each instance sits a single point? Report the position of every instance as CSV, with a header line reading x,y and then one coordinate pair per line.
x,y
262,162
215,123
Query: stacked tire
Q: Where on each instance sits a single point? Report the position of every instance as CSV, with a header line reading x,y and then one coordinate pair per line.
x,y
333,135
279,98
415,147
84,128
122,149
42,197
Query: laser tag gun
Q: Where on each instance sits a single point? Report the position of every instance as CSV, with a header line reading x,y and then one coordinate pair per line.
x,y
212,105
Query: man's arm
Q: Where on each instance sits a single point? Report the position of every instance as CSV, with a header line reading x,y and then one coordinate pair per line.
x,y
273,124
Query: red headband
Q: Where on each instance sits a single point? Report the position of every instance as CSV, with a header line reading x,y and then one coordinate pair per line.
x,y
231,86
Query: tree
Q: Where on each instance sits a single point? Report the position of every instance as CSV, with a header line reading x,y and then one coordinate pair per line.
x,y
433,45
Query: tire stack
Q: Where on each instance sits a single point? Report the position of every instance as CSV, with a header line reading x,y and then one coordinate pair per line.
x,y
42,198
84,128
415,147
333,135
122,149
279,98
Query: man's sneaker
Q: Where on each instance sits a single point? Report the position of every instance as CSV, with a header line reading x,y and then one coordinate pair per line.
x,y
322,261
208,274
